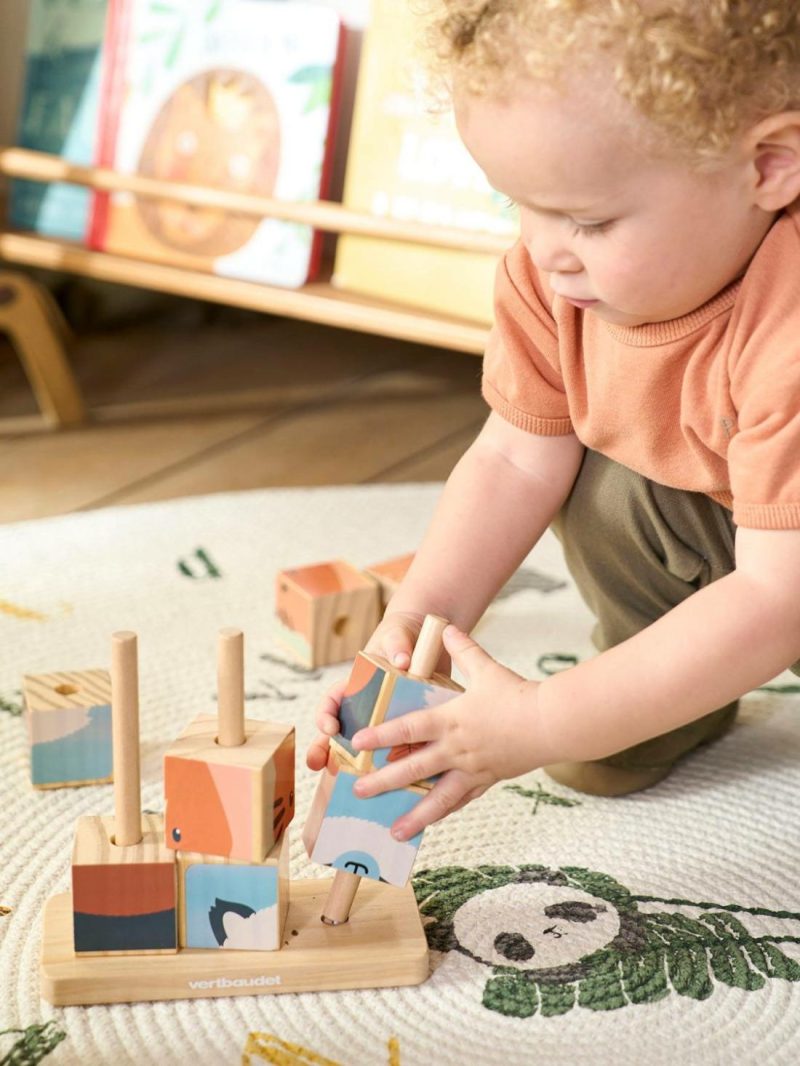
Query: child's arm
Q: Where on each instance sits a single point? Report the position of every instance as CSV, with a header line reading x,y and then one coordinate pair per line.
x,y
499,499
726,639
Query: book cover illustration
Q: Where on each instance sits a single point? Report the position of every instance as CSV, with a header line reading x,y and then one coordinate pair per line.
x,y
59,111
416,170
234,94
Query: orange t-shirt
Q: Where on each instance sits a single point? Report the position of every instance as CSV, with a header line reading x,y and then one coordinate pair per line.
x,y
708,403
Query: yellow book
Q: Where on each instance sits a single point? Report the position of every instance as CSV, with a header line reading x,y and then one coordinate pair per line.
x,y
406,162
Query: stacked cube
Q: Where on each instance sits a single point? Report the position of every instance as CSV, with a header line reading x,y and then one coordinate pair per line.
x,y
227,811
353,834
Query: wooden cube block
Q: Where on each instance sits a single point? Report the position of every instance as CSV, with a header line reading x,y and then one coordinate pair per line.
x,y
225,903
376,692
326,612
353,834
233,802
69,727
389,574
124,899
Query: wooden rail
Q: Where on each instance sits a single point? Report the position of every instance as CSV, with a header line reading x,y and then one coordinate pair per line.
x,y
321,214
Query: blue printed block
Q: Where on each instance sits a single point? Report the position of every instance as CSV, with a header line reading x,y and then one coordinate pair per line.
x,y
69,727
226,903
353,834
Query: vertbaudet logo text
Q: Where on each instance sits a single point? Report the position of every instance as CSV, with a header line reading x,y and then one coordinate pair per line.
x,y
238,982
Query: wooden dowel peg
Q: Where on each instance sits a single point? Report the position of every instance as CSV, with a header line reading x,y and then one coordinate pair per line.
x,y
125,738
427,650
428,647
230,688
340,898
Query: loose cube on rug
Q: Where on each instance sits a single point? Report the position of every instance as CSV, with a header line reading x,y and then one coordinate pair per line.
x,y
389,574
225,903
124,898
325,612
69,727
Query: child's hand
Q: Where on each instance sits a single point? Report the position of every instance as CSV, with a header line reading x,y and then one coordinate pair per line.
x,y
394,639
487,734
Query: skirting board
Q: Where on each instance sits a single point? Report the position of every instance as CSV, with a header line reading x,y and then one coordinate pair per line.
x,y
382,946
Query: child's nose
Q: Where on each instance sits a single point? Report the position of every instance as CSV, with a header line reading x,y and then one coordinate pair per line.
x,y
548,247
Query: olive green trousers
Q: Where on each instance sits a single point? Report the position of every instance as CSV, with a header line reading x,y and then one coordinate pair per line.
x,y
636,549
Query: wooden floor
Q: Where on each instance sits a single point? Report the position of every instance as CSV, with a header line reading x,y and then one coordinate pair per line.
x,y
312,406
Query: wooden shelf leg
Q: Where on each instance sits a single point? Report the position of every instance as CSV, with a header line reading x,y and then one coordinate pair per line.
x,y
35,325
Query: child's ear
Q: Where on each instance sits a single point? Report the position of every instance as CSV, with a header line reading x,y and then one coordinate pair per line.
x,y
774,151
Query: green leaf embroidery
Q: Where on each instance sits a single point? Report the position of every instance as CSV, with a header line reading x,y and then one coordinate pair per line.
x,y
34,1044
512,996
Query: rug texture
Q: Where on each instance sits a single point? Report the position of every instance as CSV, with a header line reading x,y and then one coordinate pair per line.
x,y
661,928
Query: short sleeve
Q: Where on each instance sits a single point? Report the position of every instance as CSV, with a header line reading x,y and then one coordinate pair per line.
x,y
764,454
522,381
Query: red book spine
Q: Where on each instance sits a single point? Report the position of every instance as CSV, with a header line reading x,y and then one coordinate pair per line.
x,y
337,82
112,90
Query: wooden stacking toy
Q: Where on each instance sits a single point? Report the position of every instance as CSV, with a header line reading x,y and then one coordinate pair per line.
x,y
325,612
124,896
150,918
352,834
69,727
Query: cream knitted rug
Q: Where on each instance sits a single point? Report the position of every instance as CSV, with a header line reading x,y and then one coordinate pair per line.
x,y
662,928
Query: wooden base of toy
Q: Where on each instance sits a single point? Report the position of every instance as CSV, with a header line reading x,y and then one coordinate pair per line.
x,y
382,946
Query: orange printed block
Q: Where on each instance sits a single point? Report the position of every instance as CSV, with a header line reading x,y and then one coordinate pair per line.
x,y
389,574
326,612
124,899
233,802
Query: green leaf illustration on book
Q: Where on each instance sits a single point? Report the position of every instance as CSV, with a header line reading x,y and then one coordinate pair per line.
x,y
555,939
318,79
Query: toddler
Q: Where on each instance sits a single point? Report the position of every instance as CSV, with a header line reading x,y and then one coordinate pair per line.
x,y
643,380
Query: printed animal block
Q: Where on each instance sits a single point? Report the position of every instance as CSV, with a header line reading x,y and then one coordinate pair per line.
x,y
376,692
124,899
225,903
69,727
389,574
326,612
234,802
353,834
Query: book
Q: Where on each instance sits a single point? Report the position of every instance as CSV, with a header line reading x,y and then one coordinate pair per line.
x,y
59,111
234,94
415,169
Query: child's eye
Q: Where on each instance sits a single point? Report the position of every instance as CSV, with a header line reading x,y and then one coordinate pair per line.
x,y
592,229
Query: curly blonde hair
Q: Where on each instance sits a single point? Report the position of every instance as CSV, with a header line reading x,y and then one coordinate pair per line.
x,y
700,70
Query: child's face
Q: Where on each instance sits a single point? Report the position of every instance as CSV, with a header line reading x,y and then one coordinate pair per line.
x,y
645,239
